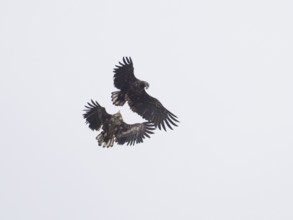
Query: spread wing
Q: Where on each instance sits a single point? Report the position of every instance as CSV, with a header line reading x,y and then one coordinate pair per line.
x,y
95,115
135,133
152,110
124,74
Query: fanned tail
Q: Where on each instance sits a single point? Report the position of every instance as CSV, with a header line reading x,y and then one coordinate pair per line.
x,y
118,98
104,140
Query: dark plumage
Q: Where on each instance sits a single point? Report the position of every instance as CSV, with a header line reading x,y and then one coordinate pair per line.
x,y
114,129
132,90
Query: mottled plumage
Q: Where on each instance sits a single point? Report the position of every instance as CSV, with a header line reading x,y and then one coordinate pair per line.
x,y
114,129
132,90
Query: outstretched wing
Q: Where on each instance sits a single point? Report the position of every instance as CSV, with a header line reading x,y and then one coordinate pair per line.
x,y
135,133
152,110
95,115
124,74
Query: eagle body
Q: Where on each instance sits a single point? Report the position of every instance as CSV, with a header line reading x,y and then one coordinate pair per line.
x,y
132,90
114,129
112,126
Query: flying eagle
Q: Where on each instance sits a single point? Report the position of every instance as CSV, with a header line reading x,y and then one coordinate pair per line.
x,y
132,90
114,129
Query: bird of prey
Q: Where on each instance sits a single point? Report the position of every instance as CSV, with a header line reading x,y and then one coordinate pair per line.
x,y
114,129
132,90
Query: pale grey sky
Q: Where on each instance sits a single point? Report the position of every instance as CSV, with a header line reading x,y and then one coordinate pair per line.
x,y
223,67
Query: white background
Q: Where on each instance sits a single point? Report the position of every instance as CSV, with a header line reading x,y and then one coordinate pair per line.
x,y
223,67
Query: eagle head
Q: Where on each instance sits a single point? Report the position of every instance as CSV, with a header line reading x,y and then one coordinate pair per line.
x,y
146,84
118,115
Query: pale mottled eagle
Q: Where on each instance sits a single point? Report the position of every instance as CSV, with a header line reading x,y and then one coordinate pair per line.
x,y
132,90
114,129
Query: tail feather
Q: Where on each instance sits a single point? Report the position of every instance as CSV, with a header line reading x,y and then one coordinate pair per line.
x,y
118,98
104,140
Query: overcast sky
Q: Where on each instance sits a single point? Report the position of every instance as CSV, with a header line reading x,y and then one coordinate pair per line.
x,y
223,67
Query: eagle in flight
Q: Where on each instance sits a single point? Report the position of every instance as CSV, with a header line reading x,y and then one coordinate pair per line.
x,y
114,129
132,90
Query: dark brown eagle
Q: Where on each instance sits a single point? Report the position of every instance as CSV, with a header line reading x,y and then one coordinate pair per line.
x,y
132,90
114,129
